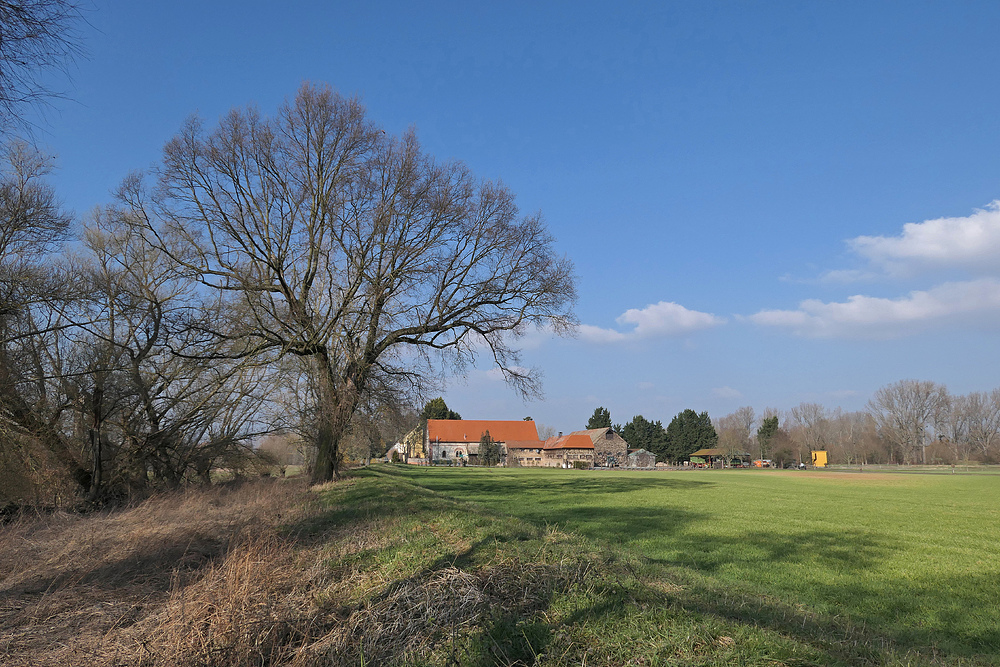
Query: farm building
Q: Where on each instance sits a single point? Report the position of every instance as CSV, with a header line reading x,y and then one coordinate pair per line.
x,y
610,449
713,458
640,458
564,451
525,453
458,439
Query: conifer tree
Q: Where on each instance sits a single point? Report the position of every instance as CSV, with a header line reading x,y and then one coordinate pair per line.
x,y
600,419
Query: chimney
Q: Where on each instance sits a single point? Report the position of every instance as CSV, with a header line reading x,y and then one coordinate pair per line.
x,y
560,434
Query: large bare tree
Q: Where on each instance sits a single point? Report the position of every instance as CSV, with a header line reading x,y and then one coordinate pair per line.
x,y
353,249
906,412
981,412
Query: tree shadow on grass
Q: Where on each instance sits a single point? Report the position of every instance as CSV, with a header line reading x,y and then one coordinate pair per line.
x,y
550,486
842,551
825,589
855,619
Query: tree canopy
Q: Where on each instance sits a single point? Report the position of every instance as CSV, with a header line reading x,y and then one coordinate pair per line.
x,y
436,408
765,435
688,432
600,419
641,433
331,241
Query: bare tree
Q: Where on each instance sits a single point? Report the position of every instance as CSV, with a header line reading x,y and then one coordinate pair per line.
x,y
851,434
736,430
952,425
906,412
36,37
32,225
747,419
732,436
545,431
810,421
156,406
982,421
337,243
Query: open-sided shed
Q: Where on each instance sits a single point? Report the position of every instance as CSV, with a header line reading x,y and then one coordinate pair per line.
x,y
715,458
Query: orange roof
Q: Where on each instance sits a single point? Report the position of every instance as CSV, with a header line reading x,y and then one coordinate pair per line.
x,y
571,441
471,430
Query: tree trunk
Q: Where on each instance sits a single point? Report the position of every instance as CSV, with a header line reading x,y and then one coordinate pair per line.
x,y
336,407
97,468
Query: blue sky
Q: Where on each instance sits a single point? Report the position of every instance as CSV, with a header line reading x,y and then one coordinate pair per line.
x,y
767,203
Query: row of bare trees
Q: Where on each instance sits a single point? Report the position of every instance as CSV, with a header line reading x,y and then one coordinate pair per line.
x,y
910,421
304,271
107,385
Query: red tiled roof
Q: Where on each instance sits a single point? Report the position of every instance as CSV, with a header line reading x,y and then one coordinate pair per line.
x,y
471,430
571,441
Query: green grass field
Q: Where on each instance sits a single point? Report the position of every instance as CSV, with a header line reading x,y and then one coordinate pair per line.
x,y
721,567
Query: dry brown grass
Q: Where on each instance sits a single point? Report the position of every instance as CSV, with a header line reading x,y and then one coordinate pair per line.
x,y
72,587
213,577
252,608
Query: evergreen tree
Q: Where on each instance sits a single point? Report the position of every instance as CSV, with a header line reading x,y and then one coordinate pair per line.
x,y
600,419
436,408
765,435
489,450
641,433
687,433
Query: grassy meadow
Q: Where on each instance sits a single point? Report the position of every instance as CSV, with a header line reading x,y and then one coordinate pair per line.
x,y
909,561
401,565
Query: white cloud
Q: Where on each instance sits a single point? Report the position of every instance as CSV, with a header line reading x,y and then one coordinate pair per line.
x,y
971,243
727,392
658,320
874,317
594,334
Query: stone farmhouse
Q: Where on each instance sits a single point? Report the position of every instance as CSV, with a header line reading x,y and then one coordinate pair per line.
x,y
525,454
562,451
610,449
458,439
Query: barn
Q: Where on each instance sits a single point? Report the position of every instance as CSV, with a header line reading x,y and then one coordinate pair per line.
x,y
458,439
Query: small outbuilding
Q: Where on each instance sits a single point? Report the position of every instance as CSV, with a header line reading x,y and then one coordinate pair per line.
x,y
713,458
640,458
